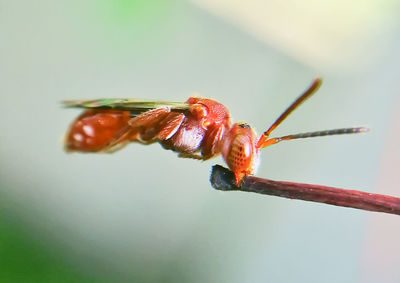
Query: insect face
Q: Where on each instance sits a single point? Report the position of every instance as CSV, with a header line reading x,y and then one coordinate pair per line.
x,y
239,150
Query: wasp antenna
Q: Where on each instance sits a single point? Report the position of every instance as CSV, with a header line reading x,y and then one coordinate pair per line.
x,y
333,132
310,91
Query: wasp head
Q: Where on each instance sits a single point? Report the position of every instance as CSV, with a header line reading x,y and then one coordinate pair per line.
x,y
239,150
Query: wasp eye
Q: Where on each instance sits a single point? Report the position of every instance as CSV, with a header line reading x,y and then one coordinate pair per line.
x,y
244,125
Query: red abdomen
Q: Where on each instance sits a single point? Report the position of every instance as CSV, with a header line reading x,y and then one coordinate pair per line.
x,y
94,129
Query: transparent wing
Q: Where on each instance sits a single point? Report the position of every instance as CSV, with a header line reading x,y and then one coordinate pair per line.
x,y
129,104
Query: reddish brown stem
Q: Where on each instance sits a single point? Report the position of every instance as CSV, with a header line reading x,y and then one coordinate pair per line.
x,y
223,179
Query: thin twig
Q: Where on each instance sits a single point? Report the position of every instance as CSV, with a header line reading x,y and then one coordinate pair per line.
x,y
223,179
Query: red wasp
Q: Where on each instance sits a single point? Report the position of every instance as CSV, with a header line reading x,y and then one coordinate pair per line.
x,y
199,128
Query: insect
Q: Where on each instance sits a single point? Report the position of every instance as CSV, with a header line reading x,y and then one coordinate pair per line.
x,y
199,128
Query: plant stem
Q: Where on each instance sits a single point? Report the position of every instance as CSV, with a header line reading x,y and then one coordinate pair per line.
x,y
223,179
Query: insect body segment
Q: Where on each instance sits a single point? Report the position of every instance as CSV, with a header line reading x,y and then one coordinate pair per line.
x,y
199,128
200,133
239,150
195,132
94,129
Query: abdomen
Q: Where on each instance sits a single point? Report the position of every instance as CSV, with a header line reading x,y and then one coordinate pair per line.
x,y
95,129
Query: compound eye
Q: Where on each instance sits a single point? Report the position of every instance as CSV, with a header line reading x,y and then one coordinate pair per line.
x,y
241,146
240,153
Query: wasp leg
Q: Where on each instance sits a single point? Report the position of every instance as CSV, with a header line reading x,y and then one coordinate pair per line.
x,y
118,146
136,127
197,156
170,125
211,145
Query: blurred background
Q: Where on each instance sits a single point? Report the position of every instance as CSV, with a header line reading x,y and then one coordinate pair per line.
x,y
144,215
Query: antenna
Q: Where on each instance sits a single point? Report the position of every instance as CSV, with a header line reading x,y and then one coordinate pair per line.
x,y
264,141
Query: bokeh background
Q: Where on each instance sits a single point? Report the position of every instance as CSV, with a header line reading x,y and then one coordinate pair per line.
x,y
144,215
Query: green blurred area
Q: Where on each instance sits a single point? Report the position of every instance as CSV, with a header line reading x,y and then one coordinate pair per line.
x,y
117,25
24,259
145,12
